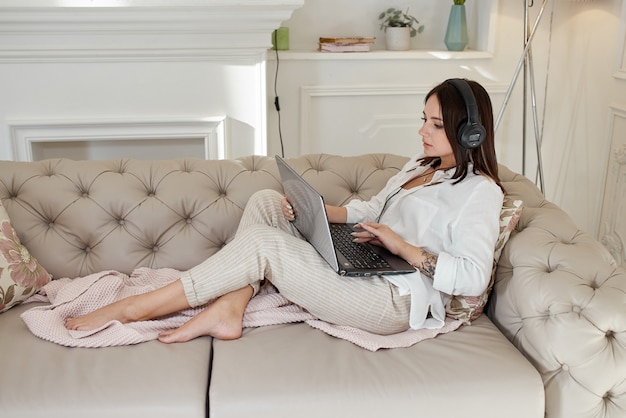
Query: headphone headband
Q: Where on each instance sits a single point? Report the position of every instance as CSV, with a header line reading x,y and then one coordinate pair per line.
x,y
471,133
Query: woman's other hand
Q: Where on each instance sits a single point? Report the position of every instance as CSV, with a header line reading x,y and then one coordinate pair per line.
x,y
288,211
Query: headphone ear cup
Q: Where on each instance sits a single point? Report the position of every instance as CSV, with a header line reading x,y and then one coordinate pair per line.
x,y
471,135
470,132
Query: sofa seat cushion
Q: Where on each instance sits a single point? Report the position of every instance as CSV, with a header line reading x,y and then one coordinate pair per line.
x,y
294,370
43,379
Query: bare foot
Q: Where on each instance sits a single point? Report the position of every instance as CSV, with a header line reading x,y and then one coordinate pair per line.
x,y
116,311
163,301
222,319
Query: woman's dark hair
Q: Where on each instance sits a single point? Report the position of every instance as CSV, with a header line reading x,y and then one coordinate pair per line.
x,y
454,113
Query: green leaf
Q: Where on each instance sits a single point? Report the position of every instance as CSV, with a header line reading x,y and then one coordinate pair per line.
x,y
396,18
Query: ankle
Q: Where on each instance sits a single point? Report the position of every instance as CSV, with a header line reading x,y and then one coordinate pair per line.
x,y
131,311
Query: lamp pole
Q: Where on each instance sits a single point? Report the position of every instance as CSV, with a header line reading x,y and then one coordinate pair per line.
x,y
526,63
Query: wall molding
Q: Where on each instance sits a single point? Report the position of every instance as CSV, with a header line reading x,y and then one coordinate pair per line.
x,y
309,94
612,228
26,135
620,62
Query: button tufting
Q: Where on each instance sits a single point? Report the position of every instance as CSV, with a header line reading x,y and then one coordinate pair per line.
x,y
87,249
121,221
155,248
576,309
565,368
188,220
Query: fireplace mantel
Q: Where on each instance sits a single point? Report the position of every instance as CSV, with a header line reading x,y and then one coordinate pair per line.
x,y
139,30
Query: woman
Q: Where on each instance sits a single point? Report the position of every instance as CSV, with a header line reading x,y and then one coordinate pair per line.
x,y
440,213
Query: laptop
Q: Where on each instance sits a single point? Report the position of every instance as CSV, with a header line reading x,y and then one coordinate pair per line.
x,y
333,241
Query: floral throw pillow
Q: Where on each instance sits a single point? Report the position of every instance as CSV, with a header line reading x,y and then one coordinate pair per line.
x,y
20,273
469,308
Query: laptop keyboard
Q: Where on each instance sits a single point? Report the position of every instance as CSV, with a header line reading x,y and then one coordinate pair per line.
x,y
359,255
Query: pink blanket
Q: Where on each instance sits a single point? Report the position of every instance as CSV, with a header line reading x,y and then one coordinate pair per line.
x,y
74,297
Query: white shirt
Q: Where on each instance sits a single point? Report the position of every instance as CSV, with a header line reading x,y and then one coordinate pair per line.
x,y
458,222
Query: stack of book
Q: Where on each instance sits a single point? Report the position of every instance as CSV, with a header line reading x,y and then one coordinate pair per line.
x,y
349,44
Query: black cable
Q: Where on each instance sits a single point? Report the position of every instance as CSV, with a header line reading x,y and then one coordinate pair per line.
x,y
276,102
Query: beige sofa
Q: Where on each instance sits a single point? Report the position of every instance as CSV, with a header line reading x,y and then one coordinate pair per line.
x,y
553,342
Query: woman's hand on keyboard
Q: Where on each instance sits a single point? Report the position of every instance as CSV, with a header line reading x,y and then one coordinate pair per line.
x,y
379,234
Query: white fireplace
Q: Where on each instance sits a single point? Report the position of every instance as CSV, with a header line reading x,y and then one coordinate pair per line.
x,y
136,78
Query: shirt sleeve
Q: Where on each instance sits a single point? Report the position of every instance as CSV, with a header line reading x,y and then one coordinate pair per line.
x,y
465,268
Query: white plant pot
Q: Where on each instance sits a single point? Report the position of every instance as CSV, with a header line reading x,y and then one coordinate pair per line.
x,y
398,39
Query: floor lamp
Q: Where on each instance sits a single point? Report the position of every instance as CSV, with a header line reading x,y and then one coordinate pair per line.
x,y
526,63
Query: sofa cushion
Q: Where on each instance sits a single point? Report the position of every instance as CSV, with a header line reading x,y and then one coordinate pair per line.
x,y
46,380
468,308
296,371
21,275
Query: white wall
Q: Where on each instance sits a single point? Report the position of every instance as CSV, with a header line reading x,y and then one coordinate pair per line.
x,y
582,89
160,91
366,104
147,62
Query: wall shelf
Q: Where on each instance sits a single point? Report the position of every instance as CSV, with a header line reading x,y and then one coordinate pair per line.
x,y
415,54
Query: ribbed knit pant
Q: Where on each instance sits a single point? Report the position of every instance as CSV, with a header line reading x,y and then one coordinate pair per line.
x,y
268,246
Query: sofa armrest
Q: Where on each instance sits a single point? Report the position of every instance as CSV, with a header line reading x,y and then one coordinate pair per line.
x,y
561,299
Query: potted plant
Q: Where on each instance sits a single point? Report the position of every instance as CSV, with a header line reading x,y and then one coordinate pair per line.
x,y
399,27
